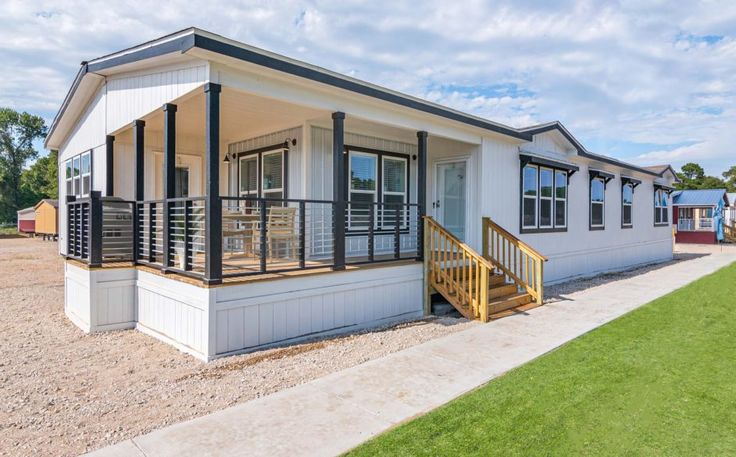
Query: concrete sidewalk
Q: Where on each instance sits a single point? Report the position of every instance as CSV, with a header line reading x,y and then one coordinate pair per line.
x,y
333,414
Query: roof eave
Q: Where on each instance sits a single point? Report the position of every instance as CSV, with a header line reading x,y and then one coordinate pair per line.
x,y
187,39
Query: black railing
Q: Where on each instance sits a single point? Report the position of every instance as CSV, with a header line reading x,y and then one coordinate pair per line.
x,y
117,230
259,235
77,217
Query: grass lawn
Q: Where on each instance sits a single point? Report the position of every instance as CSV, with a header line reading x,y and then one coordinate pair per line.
x,y
658,381
8,230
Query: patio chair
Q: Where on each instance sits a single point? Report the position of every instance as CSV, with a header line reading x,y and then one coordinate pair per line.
x,y
281,226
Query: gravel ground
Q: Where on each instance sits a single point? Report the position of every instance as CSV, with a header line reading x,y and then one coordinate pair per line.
x,y
683,252
63,392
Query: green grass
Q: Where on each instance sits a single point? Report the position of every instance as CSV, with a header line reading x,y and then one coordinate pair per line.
x,y
11,230
658,381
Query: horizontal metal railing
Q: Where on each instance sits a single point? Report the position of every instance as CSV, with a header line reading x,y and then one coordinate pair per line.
x,y
258,235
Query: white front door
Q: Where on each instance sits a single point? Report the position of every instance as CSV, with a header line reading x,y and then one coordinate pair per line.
x,y
451,196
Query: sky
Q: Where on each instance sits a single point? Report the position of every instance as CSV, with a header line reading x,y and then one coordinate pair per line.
x,y
645,81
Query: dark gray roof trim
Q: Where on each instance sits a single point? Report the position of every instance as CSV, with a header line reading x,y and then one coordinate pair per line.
x,y
584,152
536,160
247,55
189,41
601,174
628,179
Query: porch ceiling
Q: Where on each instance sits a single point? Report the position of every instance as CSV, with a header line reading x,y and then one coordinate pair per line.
x,y
242,115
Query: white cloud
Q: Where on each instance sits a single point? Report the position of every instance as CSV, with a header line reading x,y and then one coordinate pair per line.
x,y
631,71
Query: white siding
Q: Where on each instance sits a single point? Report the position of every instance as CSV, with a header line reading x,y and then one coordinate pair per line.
x,y
174,312
90,130
269,312
208,323
133,96
99,300
296,157
578,251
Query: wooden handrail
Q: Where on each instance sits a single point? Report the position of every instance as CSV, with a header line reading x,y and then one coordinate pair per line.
x,y
457,271
518,261
515,240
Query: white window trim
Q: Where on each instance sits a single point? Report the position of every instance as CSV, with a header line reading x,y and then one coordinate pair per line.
x,y
402,217
624,204
658,205
247,193
262,176
550,199
603,203
535,198
557,199
82,174
373,192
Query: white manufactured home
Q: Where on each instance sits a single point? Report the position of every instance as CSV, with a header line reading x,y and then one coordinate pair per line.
x,y
222,198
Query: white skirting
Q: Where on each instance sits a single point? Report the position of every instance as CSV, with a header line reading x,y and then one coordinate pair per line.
x,y
213,322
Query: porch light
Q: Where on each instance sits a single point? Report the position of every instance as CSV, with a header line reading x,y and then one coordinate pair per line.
x,y
227,158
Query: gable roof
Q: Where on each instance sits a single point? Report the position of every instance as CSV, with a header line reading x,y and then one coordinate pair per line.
x,y
185,40
54,203
699,197
582,151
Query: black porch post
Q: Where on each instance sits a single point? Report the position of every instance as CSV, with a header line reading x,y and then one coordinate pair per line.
x,y
421,190
339,188
109,165
213,204
138,128
169,178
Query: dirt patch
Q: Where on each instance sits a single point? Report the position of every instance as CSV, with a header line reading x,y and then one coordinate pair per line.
x,y
63,392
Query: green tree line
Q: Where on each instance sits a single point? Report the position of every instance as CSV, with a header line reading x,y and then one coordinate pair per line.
x,y
692,176
22,185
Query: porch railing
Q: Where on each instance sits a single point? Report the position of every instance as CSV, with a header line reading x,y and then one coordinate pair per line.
x,y
692,225
518,261
259,235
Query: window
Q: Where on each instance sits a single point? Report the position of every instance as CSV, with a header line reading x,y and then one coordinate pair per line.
x,y
546,178
248,172
273,175
377,177
181,182
543,198
263,173
560,198
597,202
660,207
363,175
529,194
78,175
394,191
627,204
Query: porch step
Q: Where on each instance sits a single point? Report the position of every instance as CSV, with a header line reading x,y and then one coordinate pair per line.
x,y
501,290
508,302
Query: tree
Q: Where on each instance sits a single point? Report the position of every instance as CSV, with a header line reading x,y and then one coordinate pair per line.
x,y
730,177
39,180
18,131
693,171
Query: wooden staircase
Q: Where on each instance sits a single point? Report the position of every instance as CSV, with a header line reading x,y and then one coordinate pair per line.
x,y
506,279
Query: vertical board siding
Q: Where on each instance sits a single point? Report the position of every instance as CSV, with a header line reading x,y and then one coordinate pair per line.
x,y
295,157
89,131
320,188
320,308
578,251
132,97
174,310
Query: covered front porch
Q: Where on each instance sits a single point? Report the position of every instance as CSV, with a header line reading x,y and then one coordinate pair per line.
x,y
222,184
